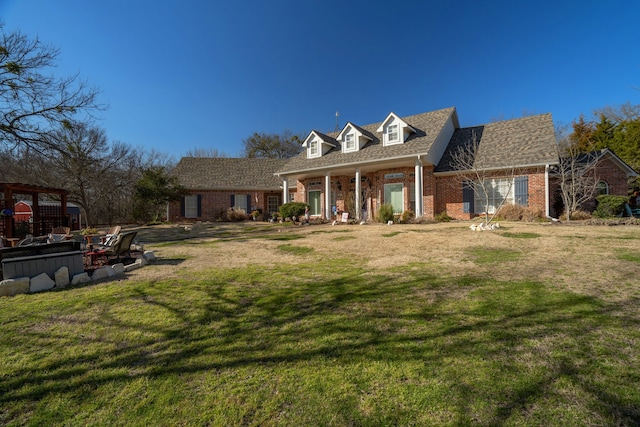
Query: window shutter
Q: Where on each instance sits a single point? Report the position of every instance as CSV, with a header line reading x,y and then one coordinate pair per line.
x,y
522,190
467,198
233,200
248,203
182,207
199,205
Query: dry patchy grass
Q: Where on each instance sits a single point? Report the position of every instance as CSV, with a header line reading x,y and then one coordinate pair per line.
x,y
580,258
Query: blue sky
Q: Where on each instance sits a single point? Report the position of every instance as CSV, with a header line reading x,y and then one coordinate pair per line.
x,y
180,75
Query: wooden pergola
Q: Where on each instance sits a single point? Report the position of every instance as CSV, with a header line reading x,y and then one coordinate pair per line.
x,y
9,189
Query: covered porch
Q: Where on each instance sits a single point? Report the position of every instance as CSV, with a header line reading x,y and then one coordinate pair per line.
x,y
361,189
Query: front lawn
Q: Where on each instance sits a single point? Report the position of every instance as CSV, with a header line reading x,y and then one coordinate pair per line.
x,y
341,337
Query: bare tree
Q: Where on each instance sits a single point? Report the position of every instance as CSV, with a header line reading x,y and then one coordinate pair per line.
x,y
205,152
576,173
273,146
95,172
625,112
32,103
477,174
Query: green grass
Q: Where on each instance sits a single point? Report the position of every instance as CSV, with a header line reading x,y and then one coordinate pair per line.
x,y
520,235
627,255
296,250
284,237
343,238
343,230
393,233
484,255
321,342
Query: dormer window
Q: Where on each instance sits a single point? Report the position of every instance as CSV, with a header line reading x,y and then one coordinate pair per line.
x,y
395,130
313,148
392,133
353,138
350,142
318,144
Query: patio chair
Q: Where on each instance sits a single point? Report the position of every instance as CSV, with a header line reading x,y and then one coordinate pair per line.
x,y
59,233
111,235
121,247
61,230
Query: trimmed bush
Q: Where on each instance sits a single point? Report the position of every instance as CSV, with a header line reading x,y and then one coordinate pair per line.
x,y
519,213
292,210
609,206
511,213
443,217
385,213
577,215
236,215
407,216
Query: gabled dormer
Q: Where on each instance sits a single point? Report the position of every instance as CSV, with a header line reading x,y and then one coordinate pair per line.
x,y
394,130
352,138
318,144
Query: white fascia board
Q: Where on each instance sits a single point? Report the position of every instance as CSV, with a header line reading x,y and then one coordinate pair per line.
x,y
441,142
311,135
356,164
468,171
344,130
401,123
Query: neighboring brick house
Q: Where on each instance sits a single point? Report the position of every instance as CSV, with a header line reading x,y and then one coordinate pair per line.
x,y
408,162
610,171
218,184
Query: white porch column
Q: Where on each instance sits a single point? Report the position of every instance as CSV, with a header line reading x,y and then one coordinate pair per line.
x,y
546,192
285,191
327,195
358,196
419,190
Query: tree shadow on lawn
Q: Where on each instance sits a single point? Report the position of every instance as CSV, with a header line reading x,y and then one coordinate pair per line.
x,y
500,349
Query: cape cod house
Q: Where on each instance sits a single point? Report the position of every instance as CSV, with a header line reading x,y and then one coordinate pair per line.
x,y
407,162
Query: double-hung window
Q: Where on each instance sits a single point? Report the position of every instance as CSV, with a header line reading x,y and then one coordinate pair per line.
x,y
392,133
191,206
313,148
350,142
495,193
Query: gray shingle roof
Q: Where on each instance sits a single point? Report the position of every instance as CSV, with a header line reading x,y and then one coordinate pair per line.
x,y
200,173
427,125
526,141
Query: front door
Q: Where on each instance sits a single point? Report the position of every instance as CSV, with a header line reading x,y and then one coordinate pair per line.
x,y
315,205
393,197
273,202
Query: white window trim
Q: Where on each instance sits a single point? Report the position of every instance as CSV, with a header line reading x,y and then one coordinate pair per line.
x,y
479,199
314,149
317,193
396,140
350,138
395,184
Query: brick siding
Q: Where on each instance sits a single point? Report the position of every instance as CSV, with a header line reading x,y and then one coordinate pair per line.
x,y
217,202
